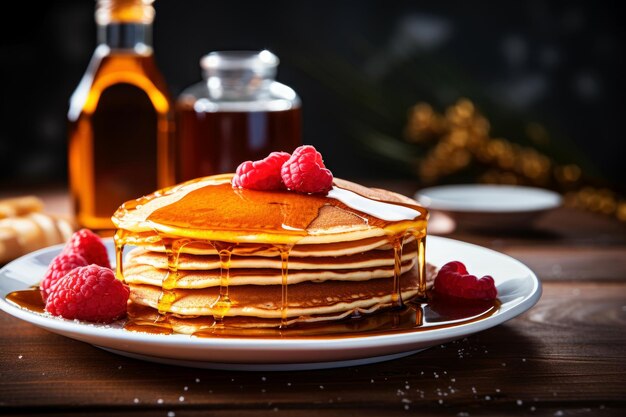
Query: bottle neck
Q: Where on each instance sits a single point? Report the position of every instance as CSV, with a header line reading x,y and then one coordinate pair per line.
x,y
128,36
239,75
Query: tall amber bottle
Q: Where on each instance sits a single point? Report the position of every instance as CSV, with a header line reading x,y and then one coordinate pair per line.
x,y
120,117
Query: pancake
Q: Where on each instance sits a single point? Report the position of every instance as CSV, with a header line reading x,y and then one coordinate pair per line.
x,y
382,257
268,217
270,258
306,299
146,318
334,249
149,320
147,274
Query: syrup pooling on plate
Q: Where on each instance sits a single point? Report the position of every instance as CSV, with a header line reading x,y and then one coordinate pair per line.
x,y
210,213
30,299
417,316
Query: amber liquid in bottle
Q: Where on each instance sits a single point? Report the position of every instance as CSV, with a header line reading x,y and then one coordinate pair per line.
x,y
120,122
215,142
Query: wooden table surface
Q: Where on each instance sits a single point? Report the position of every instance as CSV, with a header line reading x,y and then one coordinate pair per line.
x,y
564,357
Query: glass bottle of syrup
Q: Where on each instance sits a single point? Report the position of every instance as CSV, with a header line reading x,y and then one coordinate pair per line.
x,y
237,113
120,117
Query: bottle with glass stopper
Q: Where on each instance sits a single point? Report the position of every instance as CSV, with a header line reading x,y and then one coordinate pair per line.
x,y
238,112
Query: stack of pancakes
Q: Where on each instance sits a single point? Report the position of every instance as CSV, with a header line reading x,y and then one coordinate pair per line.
x,y
341,264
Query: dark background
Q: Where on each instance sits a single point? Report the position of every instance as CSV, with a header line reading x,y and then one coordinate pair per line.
x,y
354,63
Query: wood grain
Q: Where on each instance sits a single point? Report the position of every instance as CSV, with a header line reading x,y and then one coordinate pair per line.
x,y
572,264
567,353
564,357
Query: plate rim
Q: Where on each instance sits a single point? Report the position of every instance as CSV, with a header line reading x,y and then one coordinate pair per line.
x,y
91,331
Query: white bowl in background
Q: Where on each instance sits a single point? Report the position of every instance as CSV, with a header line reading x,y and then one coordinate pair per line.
x,y
489,206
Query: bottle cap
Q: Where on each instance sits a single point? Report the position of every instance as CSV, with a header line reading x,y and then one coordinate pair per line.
x,y
124,11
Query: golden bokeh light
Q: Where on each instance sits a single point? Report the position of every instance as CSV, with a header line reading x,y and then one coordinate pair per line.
x,y
459,139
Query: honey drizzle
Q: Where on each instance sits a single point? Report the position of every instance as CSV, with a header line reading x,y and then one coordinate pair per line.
x,y
421,264
396,295
120,242
222,303
168,293
284,257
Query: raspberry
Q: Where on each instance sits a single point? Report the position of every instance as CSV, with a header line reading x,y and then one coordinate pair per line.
x,y
59,267
88,245
454,280
90,293
263,174
305,171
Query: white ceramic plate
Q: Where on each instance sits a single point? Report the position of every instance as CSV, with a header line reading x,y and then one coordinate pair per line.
x,y
518,289
492,206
